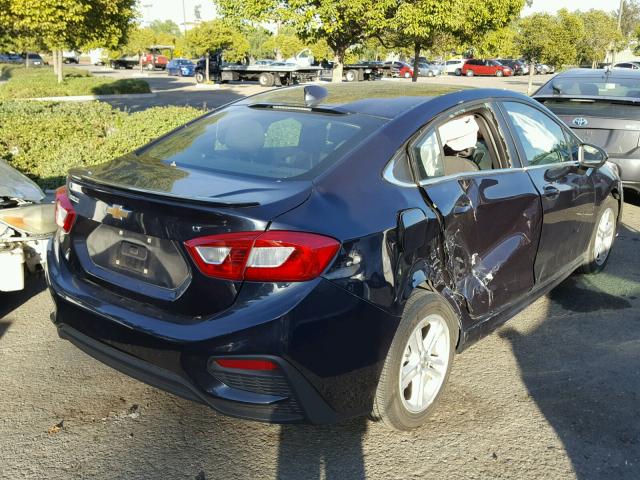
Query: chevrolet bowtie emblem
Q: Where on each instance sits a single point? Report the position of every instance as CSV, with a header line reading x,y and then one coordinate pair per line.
x,y
117,212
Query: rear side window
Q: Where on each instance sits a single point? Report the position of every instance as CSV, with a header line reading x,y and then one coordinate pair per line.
x,y
278,144
542,139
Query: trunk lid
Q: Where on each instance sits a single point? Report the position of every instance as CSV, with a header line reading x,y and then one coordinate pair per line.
x,y
614,126
132,219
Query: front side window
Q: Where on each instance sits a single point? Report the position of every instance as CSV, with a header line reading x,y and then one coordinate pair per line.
x,y
542,139
463,144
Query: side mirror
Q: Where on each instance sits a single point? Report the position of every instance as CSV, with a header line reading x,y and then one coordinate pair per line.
x,y
591,156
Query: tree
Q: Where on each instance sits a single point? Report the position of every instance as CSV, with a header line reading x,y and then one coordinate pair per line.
x,y
258,37
213,36
72,24
341,24
166,27
630,20
498,43
419,23
284,44
603,36
546,38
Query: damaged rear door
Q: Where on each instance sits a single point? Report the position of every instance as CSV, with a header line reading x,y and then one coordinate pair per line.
x,y
490,212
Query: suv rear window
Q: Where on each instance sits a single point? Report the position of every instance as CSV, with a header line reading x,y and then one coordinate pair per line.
x,y
278,144
604,86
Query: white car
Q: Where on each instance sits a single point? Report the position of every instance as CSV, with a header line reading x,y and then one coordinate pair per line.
x,y
454,66
628,65
26,225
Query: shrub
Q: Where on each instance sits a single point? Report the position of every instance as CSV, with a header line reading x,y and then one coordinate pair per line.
x,y
44,139
41,82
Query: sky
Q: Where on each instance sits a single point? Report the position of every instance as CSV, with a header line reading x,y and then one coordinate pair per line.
x,y
172,9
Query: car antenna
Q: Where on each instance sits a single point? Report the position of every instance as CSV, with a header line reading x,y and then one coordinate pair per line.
x,y
314,94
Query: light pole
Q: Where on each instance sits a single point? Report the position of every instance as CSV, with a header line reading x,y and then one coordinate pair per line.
x,y
613,50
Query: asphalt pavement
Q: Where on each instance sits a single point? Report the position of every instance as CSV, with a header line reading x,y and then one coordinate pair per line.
x,y
553,394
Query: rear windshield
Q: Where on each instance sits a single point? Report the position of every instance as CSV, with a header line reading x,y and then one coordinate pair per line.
x,y
605,109
277,144
605,86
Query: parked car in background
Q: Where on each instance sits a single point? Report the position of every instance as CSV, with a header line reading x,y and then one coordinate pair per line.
x,y
454,66
477,66
70,57
125,61
517,67
264,62
26,225
602,107
11,58
98,56
232,261
544,69
33,59
399,69
181,67
427,69
628,65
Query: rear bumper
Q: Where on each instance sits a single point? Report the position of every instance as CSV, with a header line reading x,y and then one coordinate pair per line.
x,y
312,330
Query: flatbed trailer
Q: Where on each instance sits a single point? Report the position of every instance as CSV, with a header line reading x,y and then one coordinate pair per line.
x,y
266,75
359,72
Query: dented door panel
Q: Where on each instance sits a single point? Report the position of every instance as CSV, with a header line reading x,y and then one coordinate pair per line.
x,y
491,227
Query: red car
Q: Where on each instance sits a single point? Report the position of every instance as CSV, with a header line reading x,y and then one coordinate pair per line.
x,y
485,67
400,69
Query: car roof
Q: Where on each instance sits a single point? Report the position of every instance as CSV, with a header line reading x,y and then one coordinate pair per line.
x,y
382,99
600,73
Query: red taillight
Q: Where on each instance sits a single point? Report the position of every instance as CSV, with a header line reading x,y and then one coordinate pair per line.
x,y
246,364
273,256
64,212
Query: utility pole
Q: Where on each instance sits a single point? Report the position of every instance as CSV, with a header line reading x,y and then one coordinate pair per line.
x,y
184,16
613,50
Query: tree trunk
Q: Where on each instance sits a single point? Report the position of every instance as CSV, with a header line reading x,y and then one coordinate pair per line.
x,y
60,72
338,67
54,61
416,61
26,60
206,67
532,67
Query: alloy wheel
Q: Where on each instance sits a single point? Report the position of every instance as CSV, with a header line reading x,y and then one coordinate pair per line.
x,y
424,363
604,236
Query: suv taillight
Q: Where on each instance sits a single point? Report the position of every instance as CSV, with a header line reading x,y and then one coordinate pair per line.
x,y
64,212
273,256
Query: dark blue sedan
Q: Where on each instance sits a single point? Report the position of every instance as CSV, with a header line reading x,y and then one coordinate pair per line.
x,y
312,254
181,67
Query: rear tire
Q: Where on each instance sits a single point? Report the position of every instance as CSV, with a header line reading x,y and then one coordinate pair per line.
x,y
429,73
458,72
407,75
469,73
266,79
150,66
200,78
602,238
351,76
499,73
420,356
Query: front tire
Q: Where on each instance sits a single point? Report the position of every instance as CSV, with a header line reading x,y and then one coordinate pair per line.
x,y
407,75
469,73
499,73
602,237
458,72
418,362
200,78
351,76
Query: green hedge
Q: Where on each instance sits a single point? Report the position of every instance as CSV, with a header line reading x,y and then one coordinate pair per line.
x,y
37,82
45,139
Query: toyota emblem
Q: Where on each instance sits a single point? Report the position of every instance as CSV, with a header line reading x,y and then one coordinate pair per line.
x,y
580,122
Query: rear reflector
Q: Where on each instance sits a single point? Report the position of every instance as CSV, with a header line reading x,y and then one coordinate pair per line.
x,y
64,212
273,256
244,364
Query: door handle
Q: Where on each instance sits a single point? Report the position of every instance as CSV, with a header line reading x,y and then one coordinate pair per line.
x,y
551,192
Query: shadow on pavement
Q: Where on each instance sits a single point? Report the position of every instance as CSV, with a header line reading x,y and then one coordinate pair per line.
x,y
330,452
9,301
582,366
